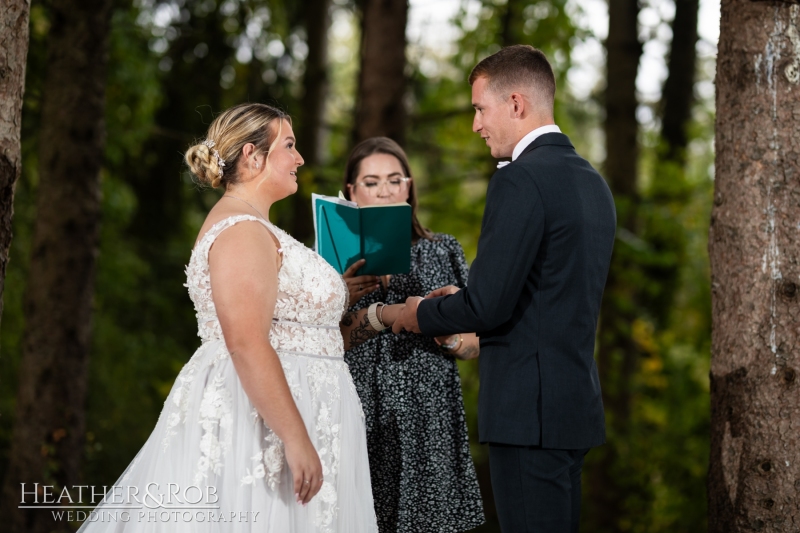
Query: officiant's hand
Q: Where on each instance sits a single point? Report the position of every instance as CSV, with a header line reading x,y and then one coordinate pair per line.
x,y
407,321
442,291
358,286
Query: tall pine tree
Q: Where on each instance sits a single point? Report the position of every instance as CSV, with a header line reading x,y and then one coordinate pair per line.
x,y
754,471
49,422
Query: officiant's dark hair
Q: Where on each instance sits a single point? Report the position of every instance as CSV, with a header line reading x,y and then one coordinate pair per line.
x,y
515,67
385,145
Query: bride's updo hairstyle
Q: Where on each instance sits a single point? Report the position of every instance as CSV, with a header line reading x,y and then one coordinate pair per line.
x,y
215,159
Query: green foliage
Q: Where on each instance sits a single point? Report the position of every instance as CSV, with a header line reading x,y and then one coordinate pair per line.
x,y
659,456
662,453
174,64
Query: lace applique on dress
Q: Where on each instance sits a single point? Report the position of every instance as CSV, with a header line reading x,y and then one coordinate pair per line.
x,y
312,298
267,462
325,384
216,418
194,442
179,400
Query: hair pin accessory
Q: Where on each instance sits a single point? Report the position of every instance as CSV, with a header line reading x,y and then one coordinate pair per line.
x,y
220,162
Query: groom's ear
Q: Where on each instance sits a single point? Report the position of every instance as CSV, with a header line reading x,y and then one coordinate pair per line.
x,y
516,104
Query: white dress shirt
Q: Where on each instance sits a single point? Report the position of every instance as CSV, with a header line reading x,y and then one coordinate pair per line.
x,y
527,140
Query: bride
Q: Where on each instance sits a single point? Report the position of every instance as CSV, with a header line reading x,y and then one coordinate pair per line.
x,y
262,429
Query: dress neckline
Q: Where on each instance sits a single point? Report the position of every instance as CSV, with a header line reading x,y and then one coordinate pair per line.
x,y
270,226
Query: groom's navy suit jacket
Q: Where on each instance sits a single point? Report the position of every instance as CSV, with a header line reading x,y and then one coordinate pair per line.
x,y
533,296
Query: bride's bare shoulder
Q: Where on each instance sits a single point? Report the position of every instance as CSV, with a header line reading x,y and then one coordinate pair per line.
x,y
217,214
241,236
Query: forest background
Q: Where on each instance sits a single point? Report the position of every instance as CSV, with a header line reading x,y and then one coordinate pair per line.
x,y
644,118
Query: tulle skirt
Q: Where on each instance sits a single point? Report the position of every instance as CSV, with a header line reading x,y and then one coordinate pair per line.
x,y
211,463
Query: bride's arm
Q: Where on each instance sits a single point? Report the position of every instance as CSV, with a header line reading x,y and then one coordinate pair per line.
x,y
243,265
356,328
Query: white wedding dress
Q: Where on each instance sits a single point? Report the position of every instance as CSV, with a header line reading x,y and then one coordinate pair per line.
x,y
211,463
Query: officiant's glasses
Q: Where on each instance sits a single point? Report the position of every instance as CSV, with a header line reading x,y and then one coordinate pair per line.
x,y
394,185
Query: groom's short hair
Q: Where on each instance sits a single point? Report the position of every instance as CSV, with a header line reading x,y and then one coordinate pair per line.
x,y
519,67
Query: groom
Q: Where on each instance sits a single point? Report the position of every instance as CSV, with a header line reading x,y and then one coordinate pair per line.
x,y
533,296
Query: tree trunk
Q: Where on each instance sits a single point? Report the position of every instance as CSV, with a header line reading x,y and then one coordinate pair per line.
x,y
510,23
669,191
380,106
623,52
47,443
754,470
678,94
13,53
617,352
312,109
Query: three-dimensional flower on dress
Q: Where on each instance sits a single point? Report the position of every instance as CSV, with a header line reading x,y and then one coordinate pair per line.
x,y
210,434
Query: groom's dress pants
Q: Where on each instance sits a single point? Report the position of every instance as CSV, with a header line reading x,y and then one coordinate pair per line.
x,y
536,490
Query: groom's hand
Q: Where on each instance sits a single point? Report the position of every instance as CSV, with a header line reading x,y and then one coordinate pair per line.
x,y
407,321
442,291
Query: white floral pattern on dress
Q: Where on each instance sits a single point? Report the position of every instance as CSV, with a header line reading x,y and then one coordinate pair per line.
x,y
291,380
216,418
194,443
179,397
325,384
312,297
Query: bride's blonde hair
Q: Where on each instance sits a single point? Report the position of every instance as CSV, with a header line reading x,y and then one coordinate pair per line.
x,y
215,159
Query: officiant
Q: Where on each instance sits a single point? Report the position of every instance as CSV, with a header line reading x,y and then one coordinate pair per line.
x,y
423,477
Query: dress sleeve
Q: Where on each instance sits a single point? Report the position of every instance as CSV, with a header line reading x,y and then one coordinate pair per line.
x,y
458,260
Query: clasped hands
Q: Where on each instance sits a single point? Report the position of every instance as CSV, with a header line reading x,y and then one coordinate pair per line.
x,y
407,318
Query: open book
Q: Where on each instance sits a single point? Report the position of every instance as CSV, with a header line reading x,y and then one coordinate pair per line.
x,y
345,233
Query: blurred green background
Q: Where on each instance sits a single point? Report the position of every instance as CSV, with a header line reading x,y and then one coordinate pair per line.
x,y
174,64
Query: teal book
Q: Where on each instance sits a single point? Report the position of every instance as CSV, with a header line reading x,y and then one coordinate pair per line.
x,y
345,233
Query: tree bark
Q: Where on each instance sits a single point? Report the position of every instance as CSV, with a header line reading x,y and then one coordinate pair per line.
x,y
617,353
13,53
754,469
47,443
312,106
380,106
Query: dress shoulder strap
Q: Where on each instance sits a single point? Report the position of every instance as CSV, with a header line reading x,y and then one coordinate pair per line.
x,y
204,244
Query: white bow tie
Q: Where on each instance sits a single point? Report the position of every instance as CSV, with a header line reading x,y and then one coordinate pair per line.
x,y
501,164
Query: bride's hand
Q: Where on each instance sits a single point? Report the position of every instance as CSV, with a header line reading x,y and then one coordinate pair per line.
x,y
306,468
358,286
390,314
442,291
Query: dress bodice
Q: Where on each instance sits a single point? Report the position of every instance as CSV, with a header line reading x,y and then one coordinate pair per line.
x,y
312,296
210,434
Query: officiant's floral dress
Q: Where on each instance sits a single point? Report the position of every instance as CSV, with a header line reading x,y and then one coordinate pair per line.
x,y
423,477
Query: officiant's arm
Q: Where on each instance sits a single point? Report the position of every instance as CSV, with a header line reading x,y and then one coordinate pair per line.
x,y
512,230
356,327
464,346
